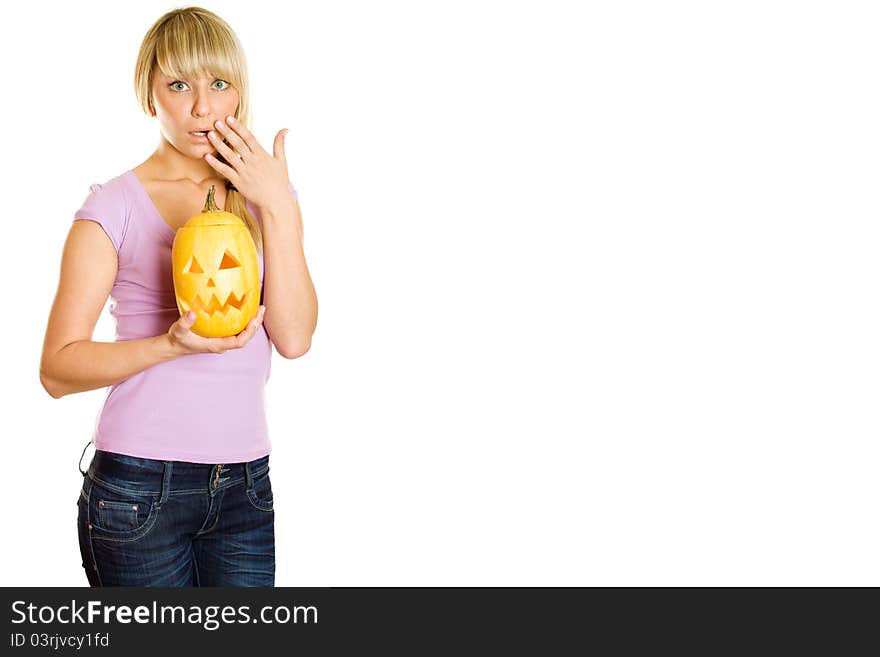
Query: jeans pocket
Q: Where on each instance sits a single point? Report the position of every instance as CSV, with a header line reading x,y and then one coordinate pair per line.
x,y
120,515
260,494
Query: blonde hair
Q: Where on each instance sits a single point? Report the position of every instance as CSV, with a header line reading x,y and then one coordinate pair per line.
x,y
194,42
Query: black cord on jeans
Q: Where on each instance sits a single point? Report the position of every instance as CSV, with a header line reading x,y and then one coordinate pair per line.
x,y
79,463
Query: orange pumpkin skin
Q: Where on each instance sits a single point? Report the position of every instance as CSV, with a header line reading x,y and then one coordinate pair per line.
x,y
216,272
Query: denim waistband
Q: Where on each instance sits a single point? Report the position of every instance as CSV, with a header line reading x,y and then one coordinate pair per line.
x,y
151,476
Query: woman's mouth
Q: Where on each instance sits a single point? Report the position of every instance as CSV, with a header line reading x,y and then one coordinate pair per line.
x,y
199,136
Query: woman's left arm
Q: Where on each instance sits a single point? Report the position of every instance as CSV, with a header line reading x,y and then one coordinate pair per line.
x,y
288,292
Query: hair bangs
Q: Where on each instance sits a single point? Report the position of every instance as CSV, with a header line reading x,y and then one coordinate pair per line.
x,y
190,49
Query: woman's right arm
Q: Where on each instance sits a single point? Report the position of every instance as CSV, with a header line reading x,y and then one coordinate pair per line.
x,y
71,361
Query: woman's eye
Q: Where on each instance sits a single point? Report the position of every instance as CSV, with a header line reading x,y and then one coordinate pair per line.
x,y
173,85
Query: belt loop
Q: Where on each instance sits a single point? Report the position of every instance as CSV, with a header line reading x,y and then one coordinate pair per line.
x,y
249,480
166,482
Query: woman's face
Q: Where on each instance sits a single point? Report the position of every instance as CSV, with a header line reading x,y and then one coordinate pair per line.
x,y
183,106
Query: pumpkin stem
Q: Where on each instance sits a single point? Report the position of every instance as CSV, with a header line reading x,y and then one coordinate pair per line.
x,y
210,206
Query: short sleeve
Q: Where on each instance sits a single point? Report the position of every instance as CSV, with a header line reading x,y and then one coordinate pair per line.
x,y
106,205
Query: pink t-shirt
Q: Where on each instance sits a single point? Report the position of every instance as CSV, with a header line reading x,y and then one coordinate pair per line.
x,y
201,408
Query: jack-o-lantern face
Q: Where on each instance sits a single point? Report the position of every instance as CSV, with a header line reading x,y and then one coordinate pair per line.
x,y
216,272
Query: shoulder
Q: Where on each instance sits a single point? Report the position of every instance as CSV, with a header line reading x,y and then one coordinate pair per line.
x,y
113,190
108,203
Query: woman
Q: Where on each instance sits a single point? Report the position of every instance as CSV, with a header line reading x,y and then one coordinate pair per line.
x,y
178,491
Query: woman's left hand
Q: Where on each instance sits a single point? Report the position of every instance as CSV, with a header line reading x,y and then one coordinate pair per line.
x,y
261,177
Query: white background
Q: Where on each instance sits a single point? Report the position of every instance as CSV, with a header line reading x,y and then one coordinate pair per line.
x,y
596,282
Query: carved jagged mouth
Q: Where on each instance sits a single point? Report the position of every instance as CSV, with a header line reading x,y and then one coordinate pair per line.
x,y
214,304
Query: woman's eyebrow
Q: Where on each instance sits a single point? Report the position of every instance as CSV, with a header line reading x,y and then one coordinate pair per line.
x,y
186,77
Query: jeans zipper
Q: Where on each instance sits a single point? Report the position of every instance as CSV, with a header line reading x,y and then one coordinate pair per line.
x,y
217,476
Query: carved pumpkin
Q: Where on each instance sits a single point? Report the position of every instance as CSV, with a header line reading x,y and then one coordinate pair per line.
x,y
216,271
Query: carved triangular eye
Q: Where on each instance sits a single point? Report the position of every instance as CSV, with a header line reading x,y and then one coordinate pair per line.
x,y
228,261
194,267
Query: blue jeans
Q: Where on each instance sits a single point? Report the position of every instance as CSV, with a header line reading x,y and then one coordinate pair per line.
x,y
144,522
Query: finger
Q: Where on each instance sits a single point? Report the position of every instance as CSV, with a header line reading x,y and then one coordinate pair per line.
x,y
228,172
235,140
258,320
251,329
227,343
280,140
239,131
255,324
231,156
258,316
186,320
243,336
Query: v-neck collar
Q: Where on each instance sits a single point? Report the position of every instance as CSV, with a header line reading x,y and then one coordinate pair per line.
x,y
165,226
